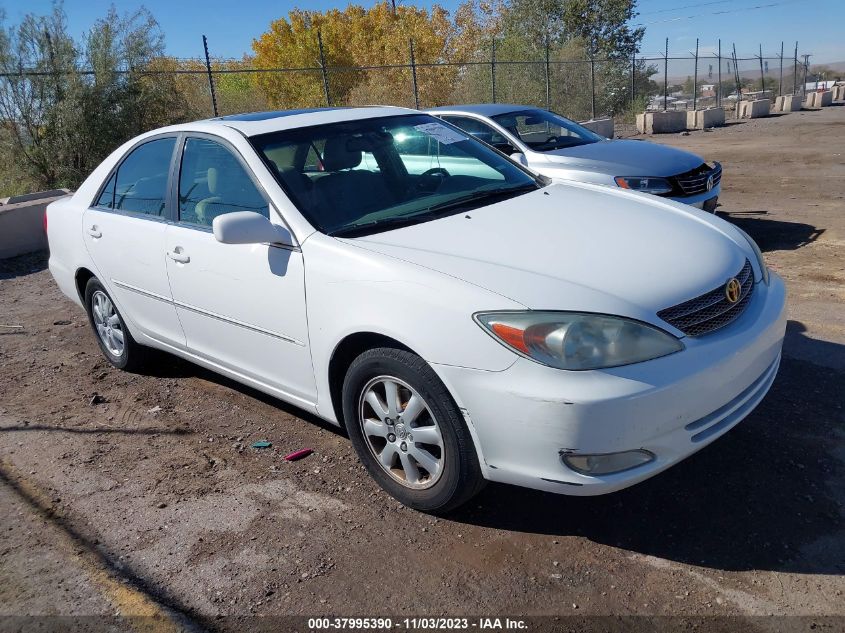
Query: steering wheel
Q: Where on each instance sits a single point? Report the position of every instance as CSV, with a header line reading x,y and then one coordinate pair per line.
x,y
429,175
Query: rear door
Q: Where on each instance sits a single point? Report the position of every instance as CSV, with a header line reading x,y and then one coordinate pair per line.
x,y
124,232
242,305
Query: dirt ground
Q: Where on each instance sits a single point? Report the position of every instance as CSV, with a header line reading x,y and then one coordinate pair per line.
x,y
148,499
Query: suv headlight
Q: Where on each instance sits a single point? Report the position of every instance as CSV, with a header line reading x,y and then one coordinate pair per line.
x,y
578,340
757,253
654,186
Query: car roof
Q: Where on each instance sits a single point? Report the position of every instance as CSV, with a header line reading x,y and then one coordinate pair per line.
x,y
484,109
254,123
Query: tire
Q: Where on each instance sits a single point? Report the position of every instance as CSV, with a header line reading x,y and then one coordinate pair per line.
x,y
129,356
422,474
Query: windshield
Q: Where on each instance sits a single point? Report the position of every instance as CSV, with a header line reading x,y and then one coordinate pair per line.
x,y
365,176
543,131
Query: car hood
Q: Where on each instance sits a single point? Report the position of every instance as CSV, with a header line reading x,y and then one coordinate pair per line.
x,y
577,247
623,158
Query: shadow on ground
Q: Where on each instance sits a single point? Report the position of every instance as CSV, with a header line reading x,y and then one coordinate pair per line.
x,y
773,235
762,497
21,265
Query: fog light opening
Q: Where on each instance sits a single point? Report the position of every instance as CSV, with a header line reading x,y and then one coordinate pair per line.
x,y
605,463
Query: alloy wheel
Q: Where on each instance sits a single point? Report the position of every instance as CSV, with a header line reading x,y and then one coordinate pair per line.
x,y
401,432
107,323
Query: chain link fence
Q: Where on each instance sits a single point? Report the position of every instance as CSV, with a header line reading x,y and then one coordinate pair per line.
x,y
578,88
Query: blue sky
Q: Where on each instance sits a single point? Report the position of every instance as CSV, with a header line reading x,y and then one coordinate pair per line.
x,y
231,26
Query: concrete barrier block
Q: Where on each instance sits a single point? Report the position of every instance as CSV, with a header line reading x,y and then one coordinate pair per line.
x,y
754,109
21,223
824,99
838,93
604,127
788,103
703,119
662,122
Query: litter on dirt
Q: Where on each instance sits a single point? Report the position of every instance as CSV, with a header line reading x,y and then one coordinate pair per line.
x,y
262,444
292,457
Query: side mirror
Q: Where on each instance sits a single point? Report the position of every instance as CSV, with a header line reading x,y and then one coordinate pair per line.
x,y
249,227
519,157
505,148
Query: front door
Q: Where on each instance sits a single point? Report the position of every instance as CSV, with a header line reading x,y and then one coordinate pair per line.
x,y
124,232
241,306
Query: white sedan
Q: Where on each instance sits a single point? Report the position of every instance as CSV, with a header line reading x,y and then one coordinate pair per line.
x,y
462,318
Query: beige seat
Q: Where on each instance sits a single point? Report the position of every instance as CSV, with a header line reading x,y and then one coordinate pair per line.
x,y
205,211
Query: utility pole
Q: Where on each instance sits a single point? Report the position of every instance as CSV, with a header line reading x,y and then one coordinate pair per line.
x,y
806,68
210,78
795,72
666,76
762,76
695,79
719,91
780,85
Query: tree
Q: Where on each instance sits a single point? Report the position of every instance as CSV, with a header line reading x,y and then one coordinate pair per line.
x,y
63,123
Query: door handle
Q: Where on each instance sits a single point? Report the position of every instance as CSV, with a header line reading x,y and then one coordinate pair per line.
x,y
95,232
178,256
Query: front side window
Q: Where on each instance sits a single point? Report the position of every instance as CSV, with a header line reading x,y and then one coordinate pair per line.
x,y
543,131
477,128
370,175
141,179
212,182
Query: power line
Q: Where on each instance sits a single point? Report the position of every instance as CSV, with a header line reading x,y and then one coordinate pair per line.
x,y
686,6
726,11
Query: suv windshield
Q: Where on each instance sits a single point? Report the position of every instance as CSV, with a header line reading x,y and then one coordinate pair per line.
x,y
359,177
543,131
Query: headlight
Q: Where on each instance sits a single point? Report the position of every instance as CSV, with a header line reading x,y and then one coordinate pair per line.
x,y
758,253
656,186
578,340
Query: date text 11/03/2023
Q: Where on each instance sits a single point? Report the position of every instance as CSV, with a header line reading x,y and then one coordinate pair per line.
x,y
416,624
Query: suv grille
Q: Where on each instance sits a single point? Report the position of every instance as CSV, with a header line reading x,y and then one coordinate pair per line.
x,y
711,310
694,182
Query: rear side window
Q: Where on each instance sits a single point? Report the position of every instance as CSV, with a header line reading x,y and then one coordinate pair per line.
x,y
141,184
212,182
478,129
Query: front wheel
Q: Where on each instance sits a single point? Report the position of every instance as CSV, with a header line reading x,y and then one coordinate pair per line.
x,y
408,432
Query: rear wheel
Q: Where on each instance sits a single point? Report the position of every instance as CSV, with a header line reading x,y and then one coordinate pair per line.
x,y
113,337
408,431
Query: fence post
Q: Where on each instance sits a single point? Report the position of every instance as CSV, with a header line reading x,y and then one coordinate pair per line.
x,y
633,79
323,69
736,80
719,90
804,83
493,71
666,77
762,76
210,78
414,74
780,84
795,72
695,79
548,78
592,83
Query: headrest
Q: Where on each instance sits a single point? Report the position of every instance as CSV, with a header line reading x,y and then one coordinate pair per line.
x,y
338,155
212,180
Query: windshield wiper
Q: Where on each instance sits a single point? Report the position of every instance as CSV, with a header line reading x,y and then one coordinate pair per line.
x,y
477,196
375,226
432,212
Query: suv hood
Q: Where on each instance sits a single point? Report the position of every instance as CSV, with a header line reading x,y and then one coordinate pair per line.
x,y
624,158
577,247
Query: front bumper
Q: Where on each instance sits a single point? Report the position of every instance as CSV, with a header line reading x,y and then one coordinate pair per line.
x,y
699,200
523,417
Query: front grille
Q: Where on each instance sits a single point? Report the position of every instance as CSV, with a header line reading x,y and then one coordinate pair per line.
x,y
694,182
711,310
